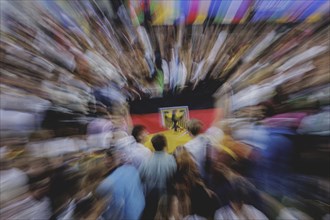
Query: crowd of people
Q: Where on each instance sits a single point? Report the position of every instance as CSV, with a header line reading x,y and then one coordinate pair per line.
x,y
131,183
69,148
210,177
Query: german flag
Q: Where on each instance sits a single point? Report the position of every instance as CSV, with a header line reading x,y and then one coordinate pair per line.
x,y
169,114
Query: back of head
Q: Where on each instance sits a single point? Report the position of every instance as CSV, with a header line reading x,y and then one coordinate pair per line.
x,y
236,193
240,190
136,132
159,142
184,160
165,207
194,126
186,167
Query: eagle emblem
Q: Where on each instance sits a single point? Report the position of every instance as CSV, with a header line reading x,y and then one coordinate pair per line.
x,y
174,118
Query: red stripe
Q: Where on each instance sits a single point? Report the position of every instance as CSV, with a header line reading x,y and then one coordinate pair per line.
x,y
153,121
192,12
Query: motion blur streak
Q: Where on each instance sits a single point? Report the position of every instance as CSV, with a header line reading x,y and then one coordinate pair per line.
x,y
235,92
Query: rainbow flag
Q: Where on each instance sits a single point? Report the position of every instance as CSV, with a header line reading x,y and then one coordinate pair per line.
x,y
169,12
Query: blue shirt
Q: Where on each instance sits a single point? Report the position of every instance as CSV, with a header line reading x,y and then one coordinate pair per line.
x,y
124,192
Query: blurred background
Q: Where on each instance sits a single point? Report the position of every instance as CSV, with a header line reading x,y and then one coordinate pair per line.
x,y
77,75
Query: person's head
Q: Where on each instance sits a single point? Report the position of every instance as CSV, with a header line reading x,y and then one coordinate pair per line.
x,y
186,167
236,193
194,127
240,191
167,208
159,142
140,133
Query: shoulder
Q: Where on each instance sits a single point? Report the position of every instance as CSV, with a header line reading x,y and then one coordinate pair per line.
x,y
170,157
195,141
126,170
170,160
253,212
143,148
223,213
214,134
214,131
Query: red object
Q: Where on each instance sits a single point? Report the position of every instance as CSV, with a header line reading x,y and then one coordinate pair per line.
x,y
153,121
192,12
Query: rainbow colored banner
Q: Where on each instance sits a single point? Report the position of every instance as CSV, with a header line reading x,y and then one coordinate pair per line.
x,y
167,12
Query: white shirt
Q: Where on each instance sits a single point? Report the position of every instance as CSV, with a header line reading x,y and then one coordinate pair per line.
x,y
134,153
197,146
140,153
247,212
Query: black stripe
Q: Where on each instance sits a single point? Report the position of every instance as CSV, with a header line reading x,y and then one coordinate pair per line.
x,y
199,98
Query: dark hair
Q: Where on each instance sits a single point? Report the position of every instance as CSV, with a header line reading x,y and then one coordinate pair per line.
x,y
137,130
194,126
240,190
159,142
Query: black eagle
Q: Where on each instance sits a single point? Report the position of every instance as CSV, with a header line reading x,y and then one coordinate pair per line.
x,y
175,119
